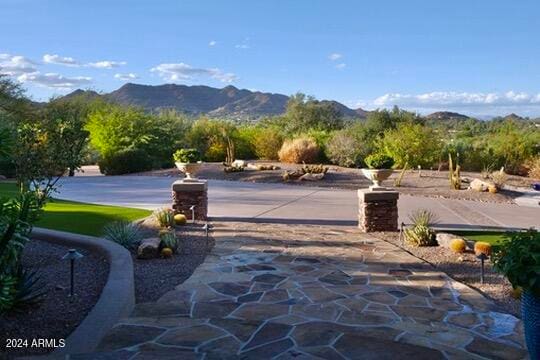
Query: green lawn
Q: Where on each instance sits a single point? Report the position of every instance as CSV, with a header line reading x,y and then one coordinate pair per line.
x,y
80,218
493,237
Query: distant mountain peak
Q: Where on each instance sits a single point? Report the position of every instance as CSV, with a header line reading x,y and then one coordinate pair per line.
x,y
447,115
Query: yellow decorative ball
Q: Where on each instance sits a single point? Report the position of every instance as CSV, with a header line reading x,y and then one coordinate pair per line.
x,y
516,293
481,247
166,252
180,219
458,245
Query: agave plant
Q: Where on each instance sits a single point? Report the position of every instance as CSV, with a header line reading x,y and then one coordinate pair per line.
x,y
421,234
123,233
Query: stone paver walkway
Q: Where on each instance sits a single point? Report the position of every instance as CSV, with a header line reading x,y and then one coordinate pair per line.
x,y
302,292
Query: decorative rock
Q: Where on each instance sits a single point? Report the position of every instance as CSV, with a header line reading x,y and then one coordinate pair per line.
x,y
444,239
311,177
479,185
149,248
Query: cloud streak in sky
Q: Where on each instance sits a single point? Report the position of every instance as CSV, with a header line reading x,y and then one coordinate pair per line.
x,y
184,72
54,80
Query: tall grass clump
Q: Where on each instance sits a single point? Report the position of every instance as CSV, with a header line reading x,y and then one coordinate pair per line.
x,y
299,150
123,233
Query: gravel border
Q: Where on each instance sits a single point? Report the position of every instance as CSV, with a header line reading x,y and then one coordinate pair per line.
x,y
117,298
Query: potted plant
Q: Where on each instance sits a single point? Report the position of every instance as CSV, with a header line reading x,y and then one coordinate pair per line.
x,y
379,169
187,161
519,260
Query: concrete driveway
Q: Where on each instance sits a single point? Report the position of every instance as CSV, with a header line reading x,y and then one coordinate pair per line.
x,y
286,203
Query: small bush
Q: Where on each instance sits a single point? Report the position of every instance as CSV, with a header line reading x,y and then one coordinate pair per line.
x,y
299,150
20,289
267,142
481,247
164,217
458,245
123,233
534,168
499,178
342,150
125,162
379,161
187,156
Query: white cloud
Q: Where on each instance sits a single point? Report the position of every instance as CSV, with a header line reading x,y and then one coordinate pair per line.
x,y
243,45
458,99
212,43
106,64
14,65
126,77
335,56
185,72
54,80
341,66
60,60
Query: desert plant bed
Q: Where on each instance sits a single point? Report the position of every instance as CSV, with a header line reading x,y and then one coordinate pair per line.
x,y
431,183
155,277
464,267
57,315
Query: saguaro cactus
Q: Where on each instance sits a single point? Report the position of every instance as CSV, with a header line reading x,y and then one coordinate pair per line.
x,y
454,174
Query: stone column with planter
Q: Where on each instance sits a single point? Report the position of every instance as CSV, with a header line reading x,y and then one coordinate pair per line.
x,y
377,206
377,210
190,193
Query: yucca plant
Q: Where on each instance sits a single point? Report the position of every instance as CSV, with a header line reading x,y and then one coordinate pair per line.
x,y
164,217
123,233
421,234
20,289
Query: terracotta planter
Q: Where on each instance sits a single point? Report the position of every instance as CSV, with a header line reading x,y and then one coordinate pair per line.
x,y
377,176
189,169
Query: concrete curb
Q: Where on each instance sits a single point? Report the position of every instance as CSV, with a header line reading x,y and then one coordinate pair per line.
x,y
117,299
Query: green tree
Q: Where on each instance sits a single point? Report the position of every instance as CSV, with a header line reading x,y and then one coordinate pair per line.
x,y
412,144
305,113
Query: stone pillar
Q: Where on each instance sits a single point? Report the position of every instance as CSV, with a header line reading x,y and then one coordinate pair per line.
x,y
185,194
377,210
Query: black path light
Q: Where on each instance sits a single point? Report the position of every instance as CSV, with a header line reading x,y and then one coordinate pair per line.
x,y
72,255
483,257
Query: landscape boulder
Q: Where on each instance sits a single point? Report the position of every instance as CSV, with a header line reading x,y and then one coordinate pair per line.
x,y
444,240
480,185
149,248
311,177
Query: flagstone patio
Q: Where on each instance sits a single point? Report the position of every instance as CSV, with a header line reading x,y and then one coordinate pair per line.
x,y
297,291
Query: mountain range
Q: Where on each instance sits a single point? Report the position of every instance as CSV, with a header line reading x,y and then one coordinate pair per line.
x,y
228,102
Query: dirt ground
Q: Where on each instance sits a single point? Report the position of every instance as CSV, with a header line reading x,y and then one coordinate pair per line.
x,y
429,183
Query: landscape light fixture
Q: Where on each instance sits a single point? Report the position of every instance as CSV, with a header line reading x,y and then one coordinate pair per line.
x,y
482,258
72,255
192,208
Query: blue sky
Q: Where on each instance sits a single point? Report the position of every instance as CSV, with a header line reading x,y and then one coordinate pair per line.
x,y
478,57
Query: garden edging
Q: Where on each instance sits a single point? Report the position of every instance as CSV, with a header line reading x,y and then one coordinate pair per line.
x,y
116,300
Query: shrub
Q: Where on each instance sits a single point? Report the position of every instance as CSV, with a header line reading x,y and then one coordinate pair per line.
x,y
421,233
534,168
123,233
299,150
499,178
481,247
165,217
19,290
187,156
341,149
267,142
379,161
458,245
125,161
519,260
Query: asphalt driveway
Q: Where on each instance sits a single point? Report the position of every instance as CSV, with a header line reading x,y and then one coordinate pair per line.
x,y
285,203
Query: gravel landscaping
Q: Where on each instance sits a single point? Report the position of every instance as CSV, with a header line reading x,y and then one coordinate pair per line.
x,y
155,277
464,268
57,315
429,183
